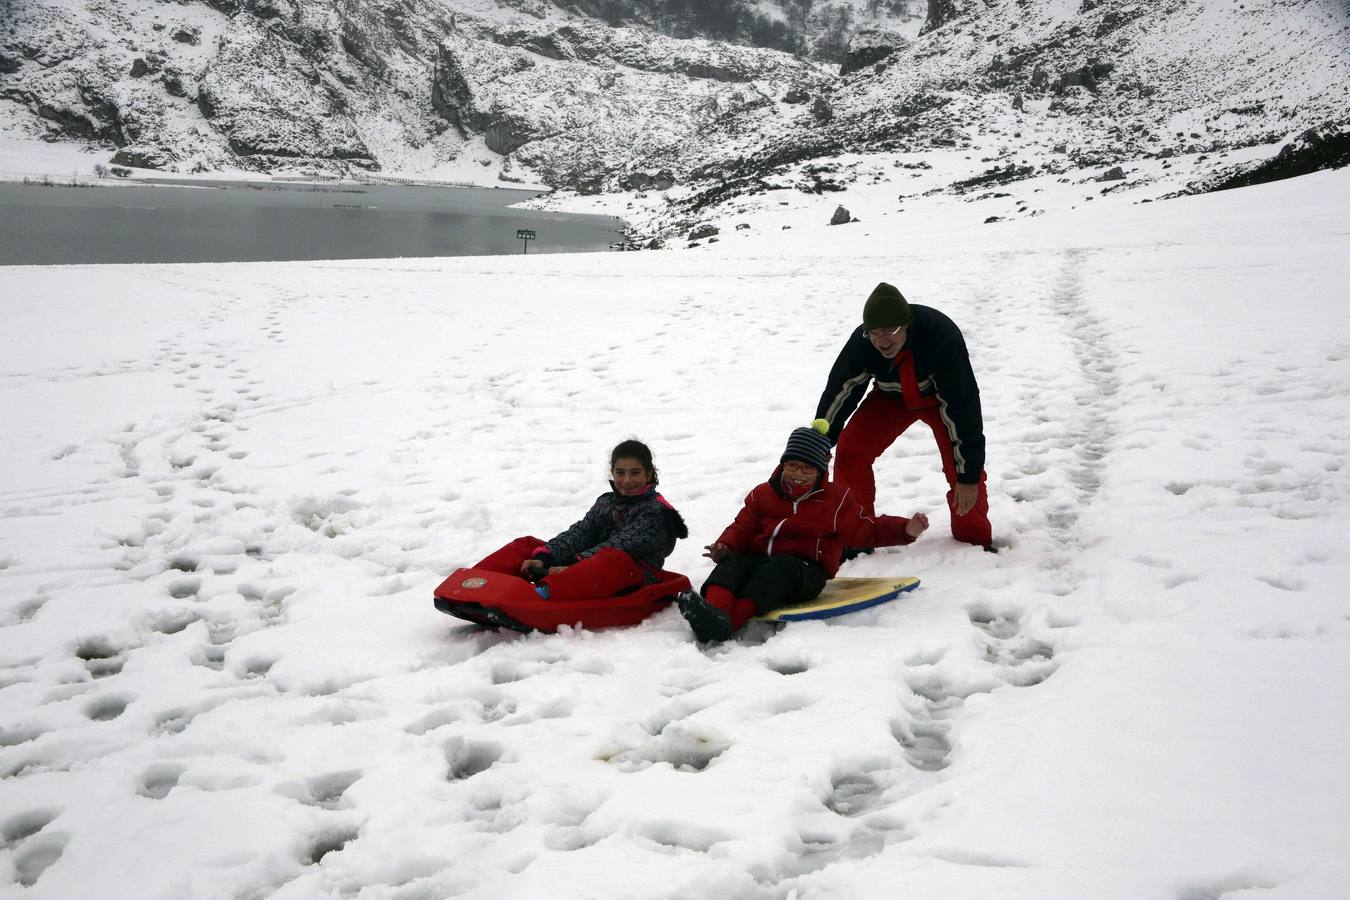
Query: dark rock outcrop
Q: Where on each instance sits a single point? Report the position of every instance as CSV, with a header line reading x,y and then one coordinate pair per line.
x,y
451,96
841,216
940,12
297,115
505,136
1325,147
1086,76
663,180
142,158
174,83
869,48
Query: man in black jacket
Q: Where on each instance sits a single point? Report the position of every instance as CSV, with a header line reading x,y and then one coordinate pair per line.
x,y
917,358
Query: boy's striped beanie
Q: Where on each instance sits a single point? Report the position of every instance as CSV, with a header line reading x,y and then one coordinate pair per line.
x,y
810,445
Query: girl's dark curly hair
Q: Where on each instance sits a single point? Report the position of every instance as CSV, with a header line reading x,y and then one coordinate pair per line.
x,y
634,449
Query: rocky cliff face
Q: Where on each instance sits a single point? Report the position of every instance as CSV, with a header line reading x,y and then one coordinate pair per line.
x,y
585,94
585,105
1045,86
224,83
336,85
819,29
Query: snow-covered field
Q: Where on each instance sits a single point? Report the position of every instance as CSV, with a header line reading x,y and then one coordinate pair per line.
x,y
229,490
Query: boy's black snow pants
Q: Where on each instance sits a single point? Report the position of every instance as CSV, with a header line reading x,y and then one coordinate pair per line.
x,y
769,581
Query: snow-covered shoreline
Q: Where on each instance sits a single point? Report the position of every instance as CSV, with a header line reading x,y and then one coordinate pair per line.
x,y
230,489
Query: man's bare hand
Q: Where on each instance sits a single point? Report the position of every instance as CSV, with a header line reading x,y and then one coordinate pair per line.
x,y
966,496
530,567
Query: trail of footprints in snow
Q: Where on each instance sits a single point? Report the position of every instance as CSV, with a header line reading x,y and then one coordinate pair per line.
x,y
1017,656
193,454
101,657
1067,436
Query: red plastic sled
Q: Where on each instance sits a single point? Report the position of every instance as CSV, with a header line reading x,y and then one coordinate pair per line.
x,y
507,601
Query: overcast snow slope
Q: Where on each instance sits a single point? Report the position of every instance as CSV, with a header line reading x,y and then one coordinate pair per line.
x,y
229,491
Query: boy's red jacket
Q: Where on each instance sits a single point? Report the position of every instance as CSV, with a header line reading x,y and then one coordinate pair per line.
x,y
817,526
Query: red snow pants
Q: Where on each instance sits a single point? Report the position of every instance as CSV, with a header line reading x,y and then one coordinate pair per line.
x,y
878,421
602,574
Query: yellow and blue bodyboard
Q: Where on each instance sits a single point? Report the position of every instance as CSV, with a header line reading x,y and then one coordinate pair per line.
x,y
842,596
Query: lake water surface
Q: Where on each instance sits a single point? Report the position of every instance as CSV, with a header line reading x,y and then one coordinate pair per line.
x,y
258,221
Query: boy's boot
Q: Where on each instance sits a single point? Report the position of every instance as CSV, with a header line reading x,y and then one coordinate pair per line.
x,y
708,622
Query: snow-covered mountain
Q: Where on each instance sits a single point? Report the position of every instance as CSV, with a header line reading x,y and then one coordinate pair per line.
x,y
336,85
589,95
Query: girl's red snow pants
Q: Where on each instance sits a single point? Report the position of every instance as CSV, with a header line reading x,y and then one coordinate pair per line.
x,y
603,574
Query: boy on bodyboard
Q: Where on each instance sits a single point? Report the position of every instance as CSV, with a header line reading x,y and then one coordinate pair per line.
x,y
786,541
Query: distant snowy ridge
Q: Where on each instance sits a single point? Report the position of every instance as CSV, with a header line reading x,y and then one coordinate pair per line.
x,y
536,92
1046,87
335,86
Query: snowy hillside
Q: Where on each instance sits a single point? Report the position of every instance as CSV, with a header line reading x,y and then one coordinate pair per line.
x,y
1183,95
229,491
340,86
590,97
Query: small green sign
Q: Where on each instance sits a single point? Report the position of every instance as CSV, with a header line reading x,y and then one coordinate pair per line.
x,y
525,234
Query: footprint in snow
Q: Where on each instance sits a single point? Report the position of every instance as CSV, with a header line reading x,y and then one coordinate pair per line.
x,y
682,835
107,707
433,720
684,747
257,666
101,657
788,664
24,612
210,656
327,842
323,791
852,794
38,854
183,588
1002,623
172,621
21,826
465,759
174,721
15,735
924,742
160,778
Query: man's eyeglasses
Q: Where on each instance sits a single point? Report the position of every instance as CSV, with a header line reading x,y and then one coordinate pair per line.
x,y
880,334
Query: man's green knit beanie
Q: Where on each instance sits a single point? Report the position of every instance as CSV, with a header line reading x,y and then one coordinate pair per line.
x,y
886,307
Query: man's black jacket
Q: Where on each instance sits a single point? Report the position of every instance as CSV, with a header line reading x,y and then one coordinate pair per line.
x,y
932,370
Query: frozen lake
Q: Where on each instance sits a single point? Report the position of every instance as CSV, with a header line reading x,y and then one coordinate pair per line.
x,y
268,221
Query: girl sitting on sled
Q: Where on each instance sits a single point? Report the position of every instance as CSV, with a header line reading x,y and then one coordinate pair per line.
x,y
621,543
